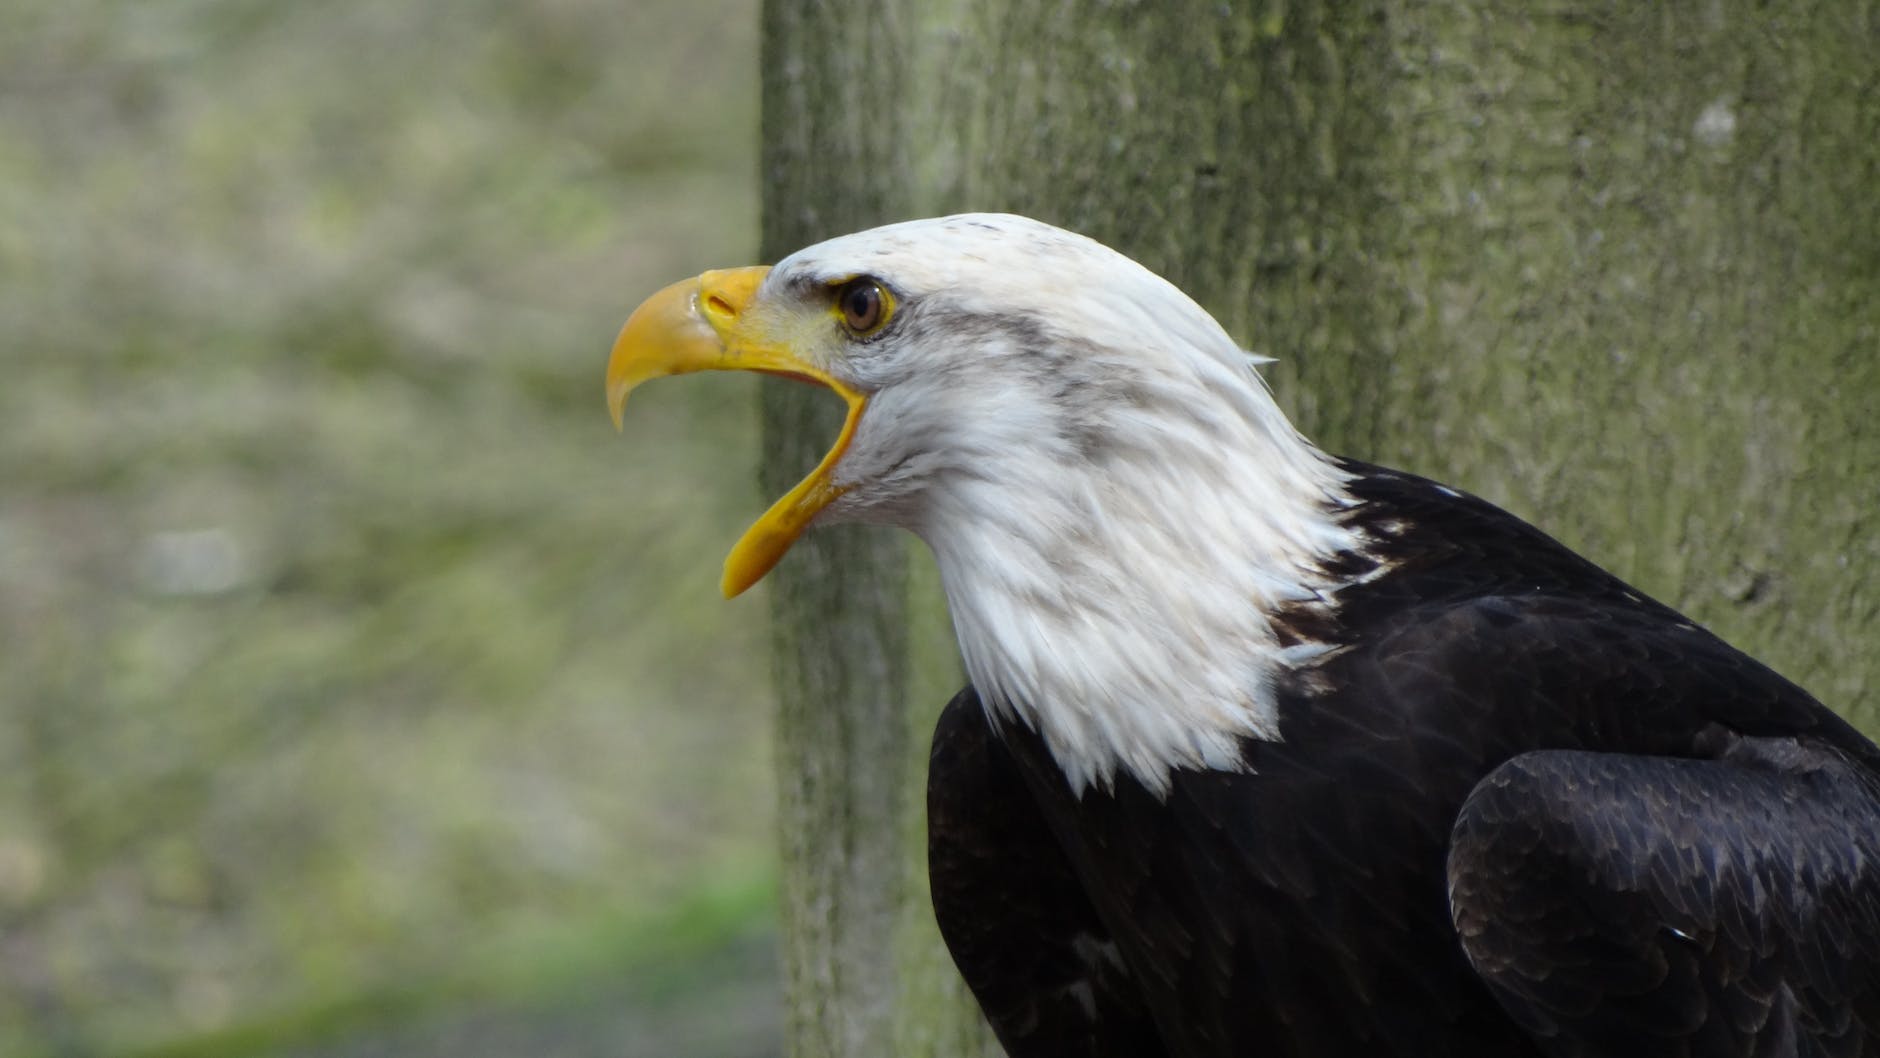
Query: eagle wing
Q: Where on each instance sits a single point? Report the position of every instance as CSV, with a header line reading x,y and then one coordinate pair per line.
x,y
1726,906
1671,846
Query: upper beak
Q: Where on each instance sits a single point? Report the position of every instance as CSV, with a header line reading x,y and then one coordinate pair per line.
x,y
708,324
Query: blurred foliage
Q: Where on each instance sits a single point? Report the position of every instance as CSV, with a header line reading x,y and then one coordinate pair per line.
x,y
342,640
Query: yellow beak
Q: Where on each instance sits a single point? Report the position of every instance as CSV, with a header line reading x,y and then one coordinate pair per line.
x,y
707,324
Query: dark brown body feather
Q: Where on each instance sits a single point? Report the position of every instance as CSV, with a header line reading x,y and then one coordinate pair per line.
x,y
1523,810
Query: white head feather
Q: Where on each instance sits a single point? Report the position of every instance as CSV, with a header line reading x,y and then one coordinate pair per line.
x,y
1117,506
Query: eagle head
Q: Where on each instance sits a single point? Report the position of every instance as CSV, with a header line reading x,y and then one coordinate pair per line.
x,y
1107,486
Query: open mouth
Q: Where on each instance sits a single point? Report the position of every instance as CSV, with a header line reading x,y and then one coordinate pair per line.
x,y
704,324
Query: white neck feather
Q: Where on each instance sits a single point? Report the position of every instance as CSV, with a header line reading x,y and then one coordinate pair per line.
x,y
1122,606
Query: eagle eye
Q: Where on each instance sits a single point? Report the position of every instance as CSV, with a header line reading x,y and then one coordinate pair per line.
x,y
863,305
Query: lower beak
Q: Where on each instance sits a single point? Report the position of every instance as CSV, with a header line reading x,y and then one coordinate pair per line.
x,y
707,324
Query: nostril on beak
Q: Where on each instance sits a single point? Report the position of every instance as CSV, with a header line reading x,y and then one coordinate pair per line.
x,y
718,306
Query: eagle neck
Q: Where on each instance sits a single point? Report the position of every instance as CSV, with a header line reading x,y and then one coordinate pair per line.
x,y
1127,608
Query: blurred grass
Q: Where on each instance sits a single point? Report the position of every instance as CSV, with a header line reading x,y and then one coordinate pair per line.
x,y
564,985
339,635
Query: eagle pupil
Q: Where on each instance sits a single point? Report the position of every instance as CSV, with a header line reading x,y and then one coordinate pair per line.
x,y
861,305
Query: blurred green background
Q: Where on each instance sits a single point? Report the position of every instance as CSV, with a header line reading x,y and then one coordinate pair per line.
x,y
361,691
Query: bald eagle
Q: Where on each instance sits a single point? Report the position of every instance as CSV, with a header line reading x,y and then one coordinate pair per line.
x,y
1268,751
